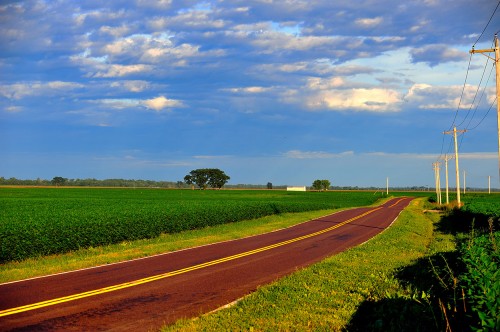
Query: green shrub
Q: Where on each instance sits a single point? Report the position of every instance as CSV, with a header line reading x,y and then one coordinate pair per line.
x,y
481,280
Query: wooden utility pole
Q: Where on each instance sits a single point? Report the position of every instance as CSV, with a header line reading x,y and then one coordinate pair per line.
x,y
464,182
437,181
495,50
457,171
446,158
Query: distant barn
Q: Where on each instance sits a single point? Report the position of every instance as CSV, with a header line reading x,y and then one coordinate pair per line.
x,y
296,188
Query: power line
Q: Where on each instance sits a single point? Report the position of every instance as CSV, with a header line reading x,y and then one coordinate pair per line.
x,y
475,95
498,4
462,94
480,99
484,117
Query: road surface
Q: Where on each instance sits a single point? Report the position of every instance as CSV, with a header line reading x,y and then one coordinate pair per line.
x,y
144,294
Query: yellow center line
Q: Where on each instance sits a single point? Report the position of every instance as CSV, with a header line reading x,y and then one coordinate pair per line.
x,y
113,288
399,200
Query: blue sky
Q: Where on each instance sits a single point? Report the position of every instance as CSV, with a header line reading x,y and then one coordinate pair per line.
x,y
268,91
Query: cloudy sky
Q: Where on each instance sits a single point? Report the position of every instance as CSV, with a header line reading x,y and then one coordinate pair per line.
x,y
269,91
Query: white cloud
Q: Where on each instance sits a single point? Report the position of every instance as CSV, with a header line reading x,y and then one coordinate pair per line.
x,y
198,19
159,4
435,54
297,154
132,85
478,155
317,83
119,103
160,103
122,70
372,100
369,22
426,96
36,88
14,109
249,90
116,32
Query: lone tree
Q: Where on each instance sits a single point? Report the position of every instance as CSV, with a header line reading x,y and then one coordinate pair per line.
x,y
321,184
204,177
58,181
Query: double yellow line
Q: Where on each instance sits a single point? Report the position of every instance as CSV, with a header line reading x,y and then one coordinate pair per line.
x,y
38,305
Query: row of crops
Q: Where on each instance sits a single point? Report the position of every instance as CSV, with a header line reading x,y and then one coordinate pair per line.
x,y
43,221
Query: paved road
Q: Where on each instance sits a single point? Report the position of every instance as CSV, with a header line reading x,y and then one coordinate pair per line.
x,y
144,294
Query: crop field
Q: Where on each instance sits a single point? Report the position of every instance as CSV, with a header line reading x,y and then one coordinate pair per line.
x,y
43,221
483,204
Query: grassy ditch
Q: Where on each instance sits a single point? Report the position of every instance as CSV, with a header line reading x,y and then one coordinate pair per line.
x,y
370,287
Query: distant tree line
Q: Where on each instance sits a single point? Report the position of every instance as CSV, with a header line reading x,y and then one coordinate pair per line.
x,y
91,182
61,181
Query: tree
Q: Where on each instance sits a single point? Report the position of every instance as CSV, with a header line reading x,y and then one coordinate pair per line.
x,y
321,184
269,185
58,180
325,184
316,185
204,177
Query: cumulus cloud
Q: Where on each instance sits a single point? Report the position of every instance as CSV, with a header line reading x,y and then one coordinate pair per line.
x,y
436,54
336,94
131,85
426,96
122,70
369,22
160,103
371,100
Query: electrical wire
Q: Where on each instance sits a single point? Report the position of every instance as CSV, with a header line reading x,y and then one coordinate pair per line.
x,y
498,4
462,94
475,95
480,99
484,117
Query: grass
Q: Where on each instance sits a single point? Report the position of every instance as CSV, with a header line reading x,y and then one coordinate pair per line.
x,y
367,288
89,257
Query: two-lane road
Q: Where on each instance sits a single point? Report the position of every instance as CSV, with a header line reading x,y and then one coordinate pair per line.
x,y
147,293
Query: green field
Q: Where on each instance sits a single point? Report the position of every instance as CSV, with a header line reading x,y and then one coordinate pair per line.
x,y
43,221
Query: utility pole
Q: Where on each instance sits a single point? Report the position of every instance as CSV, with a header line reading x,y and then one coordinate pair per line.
x,y
387,186
457,172
446,158
495,50
437,181
464,182
489,184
